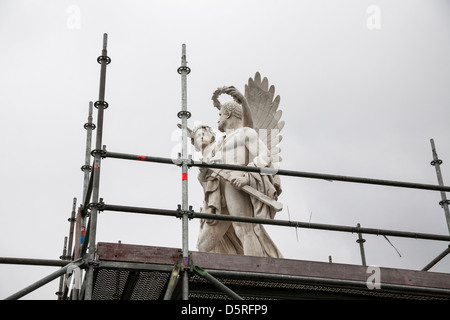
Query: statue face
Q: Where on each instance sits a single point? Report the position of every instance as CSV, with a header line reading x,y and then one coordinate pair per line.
x,y
223,119
202,138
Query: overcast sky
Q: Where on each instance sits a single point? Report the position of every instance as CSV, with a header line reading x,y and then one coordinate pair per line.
x,y
364,86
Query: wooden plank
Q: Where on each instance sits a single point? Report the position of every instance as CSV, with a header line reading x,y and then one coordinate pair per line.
x,y
137,253
319,269
228,262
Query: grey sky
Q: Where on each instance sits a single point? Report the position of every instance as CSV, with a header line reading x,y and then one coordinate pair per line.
x,y
356,101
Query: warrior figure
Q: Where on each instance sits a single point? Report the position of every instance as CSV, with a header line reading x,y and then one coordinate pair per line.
x,y
251,129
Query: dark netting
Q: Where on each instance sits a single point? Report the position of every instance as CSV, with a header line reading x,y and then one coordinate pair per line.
x,y
111,284
129,285
200,288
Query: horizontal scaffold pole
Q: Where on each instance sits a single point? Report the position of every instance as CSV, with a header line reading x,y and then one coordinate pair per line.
x,y
45,280
281,172
295,224
34,262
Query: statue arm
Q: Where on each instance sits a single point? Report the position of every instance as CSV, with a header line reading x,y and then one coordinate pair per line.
x,y
190,133
239,98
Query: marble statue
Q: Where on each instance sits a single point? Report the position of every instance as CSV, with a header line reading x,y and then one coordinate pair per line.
x,y
251,126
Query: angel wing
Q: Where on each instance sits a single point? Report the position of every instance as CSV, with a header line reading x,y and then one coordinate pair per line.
x,y
265,114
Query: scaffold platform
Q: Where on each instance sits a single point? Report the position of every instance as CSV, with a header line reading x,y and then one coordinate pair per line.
x,y
138,272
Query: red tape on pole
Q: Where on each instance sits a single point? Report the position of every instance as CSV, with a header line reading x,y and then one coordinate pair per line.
x,y
184,176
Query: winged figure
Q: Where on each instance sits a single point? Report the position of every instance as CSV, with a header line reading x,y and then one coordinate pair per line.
x,y
251,126
260,110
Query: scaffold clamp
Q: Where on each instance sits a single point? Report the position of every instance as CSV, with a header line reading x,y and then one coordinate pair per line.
x,y
99,205
104,104
179,162
107,59
88,125
438,161
184,113
185,69
86,167
181,213
100,151
444,202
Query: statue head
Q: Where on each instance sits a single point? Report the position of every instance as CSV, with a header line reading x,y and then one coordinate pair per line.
x,y
202,136
230,116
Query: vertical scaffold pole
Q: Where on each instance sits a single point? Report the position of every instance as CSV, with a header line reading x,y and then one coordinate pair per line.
x,y
60,292
437,163
101,104
184,115
71,229
361,245
87,169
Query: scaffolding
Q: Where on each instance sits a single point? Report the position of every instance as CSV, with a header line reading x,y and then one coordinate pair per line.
x,y
116,271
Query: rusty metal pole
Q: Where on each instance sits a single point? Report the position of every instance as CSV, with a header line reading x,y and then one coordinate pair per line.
x,y
437,163
101,104
184,115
